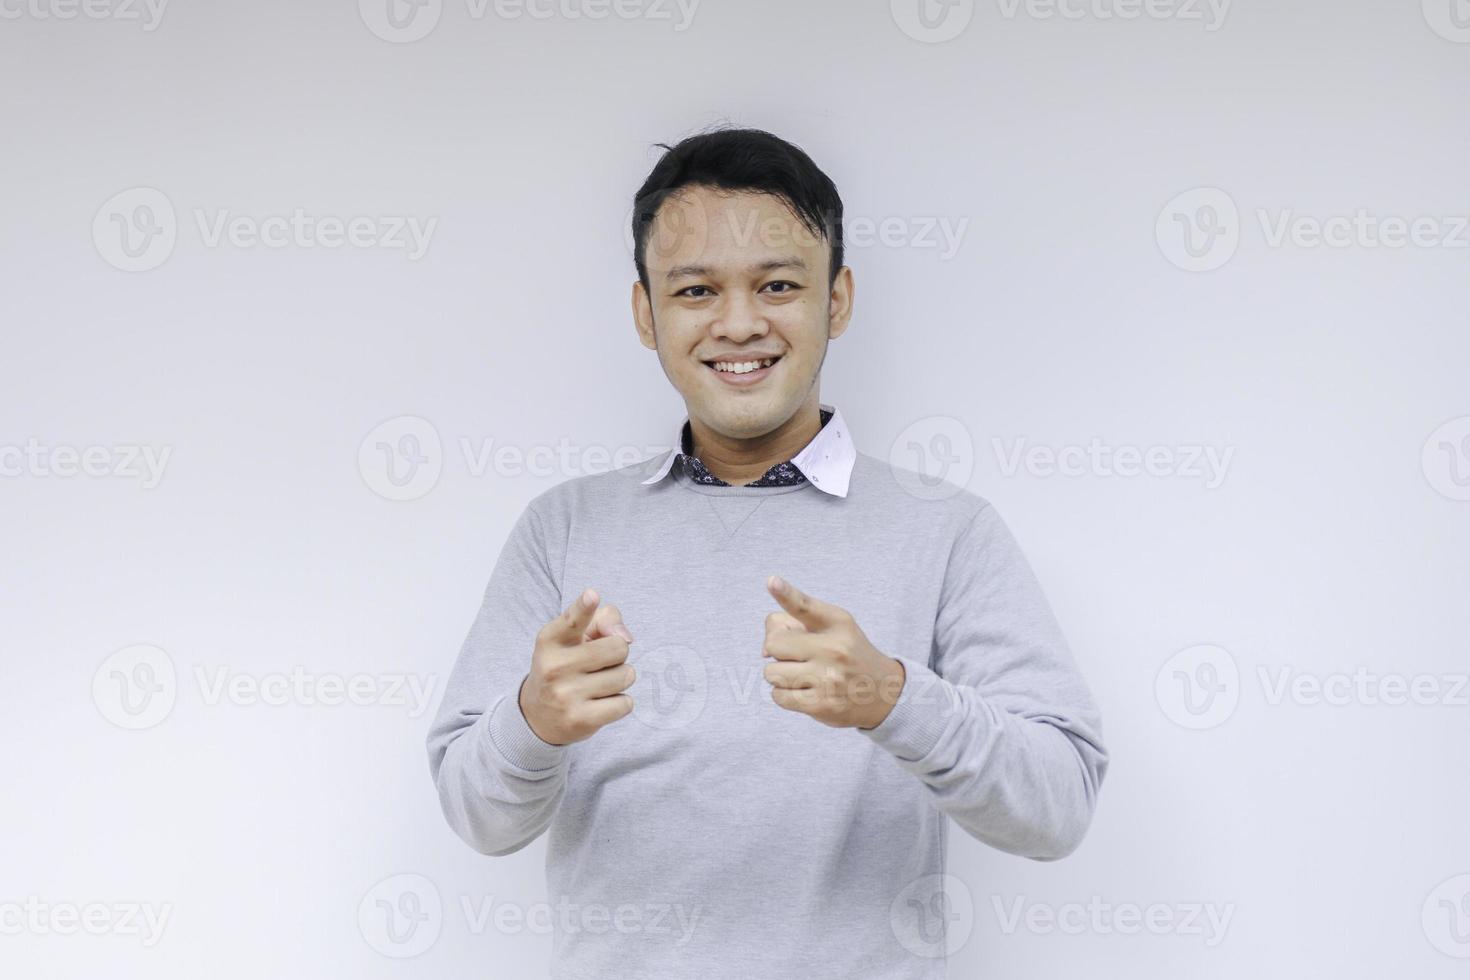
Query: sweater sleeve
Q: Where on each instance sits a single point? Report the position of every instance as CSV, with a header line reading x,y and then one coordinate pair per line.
x,y
499,784
1002,728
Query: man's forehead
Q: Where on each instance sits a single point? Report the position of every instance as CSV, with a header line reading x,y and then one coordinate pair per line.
x,y
758,267
707,229
702,197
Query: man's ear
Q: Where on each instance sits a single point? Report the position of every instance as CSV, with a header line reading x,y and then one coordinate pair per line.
x,y
643,316
839,309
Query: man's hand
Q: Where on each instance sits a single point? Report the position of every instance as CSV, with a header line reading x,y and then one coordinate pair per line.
x,y
825,667
578,671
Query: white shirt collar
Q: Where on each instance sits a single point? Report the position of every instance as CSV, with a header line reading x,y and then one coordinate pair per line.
x,y
826,461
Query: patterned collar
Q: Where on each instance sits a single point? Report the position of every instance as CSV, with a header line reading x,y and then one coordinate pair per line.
x,y
826,461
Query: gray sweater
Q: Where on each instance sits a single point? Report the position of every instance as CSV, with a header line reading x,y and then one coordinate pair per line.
x,y
714,834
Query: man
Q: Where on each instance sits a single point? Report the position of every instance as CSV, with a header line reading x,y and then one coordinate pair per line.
x,y
832,666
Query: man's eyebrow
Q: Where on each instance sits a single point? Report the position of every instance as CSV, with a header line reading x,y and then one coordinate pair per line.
x,y
784,262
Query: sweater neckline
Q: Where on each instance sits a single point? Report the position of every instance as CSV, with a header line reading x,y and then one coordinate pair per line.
x,y
731,490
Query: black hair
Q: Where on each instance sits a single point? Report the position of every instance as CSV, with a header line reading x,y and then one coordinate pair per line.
x,y
741,160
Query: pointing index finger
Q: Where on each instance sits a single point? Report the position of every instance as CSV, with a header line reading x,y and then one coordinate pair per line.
x,y
810,612
572,623
607,621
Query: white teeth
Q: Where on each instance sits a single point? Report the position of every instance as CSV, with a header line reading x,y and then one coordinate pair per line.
x,y
742,367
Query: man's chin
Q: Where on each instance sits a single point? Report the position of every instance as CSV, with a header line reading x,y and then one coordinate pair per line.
x,y
741,415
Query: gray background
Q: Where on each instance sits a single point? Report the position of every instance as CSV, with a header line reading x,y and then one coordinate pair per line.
x,y
1075,151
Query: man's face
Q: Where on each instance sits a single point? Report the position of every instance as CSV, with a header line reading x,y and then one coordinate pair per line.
x,y
737,274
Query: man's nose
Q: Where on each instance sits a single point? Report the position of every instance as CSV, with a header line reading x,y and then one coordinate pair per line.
x,y
740,320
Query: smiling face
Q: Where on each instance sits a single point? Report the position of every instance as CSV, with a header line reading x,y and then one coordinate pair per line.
x,y
736,277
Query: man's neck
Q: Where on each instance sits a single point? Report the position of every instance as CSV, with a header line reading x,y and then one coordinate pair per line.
x,y
742,461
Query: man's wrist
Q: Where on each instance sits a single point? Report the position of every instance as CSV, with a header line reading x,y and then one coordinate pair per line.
x,y
510,735
890,687
526,716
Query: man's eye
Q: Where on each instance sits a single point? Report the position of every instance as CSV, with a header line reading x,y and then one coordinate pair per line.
x,y
690,292
789,286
